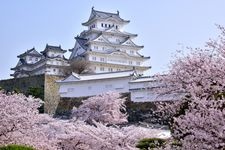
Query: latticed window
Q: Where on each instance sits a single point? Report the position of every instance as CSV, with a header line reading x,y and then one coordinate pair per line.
x,y
93,58
102,68
110,69
102,59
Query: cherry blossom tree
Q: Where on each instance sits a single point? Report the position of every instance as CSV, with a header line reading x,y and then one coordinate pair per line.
x,y
198,118
21,124
20,121
107,108
101,137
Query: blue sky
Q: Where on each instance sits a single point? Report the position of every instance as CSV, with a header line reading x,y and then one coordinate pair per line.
x,y
162,26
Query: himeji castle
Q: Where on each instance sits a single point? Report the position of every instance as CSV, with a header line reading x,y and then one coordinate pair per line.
x,y
113,57
115,62
106,46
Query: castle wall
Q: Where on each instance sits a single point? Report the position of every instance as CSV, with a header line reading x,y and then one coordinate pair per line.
x,y
51,94
44,82
22,84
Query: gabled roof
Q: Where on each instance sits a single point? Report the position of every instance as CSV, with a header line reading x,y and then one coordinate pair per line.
x,y
31,52
144,79
129,42
113,30
95,14
114,51
148,57
106,41
98,76
82,42
100,36
52,48
20,63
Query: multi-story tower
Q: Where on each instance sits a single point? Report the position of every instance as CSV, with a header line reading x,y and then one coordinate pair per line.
x,y
106,46
51,61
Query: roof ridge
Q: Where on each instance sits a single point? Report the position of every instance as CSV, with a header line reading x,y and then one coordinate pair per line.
x,y
106,72
79,37
47,45
117,13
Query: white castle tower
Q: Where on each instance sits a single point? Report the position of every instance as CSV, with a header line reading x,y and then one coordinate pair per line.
x,y
106,46
50,61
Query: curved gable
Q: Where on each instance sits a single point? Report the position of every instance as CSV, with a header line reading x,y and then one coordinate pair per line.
x,y
120,53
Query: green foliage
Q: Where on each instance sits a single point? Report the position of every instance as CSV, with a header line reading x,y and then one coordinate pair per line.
x,y
16,90
37,92
16,147
150,143
176,143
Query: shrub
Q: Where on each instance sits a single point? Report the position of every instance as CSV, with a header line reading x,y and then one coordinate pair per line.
x,y
36,92
150,143
16,147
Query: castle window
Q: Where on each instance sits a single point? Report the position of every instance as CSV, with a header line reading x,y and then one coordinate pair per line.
x,y
130,62
131,52
105,25
36,59
95,47
109,25
138,63
102,68
110,69
70,89
93,58
54,70
102,25
102,59
116,27
139,97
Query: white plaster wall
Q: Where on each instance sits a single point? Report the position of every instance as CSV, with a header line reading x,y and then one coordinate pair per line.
x,y
94,87
54,54
109,22
32,59
144,92
115,59
148,84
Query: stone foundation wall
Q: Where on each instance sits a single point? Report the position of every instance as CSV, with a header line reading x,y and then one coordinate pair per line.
x,y
22,84
51,94
47,83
